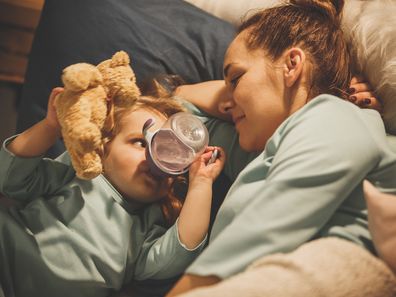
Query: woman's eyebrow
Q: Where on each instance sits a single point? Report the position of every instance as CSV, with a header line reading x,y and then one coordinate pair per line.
x,y
227,68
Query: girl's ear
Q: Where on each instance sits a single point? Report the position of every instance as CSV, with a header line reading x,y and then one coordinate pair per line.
x,y
294,65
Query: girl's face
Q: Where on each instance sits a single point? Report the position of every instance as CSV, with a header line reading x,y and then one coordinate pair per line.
x,y
257,103
125,164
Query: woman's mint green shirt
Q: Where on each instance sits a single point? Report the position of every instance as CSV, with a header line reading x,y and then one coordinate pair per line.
x,y
78,238
306,184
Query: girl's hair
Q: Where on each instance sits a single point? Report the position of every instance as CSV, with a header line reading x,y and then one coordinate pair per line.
x,y
160,101
313,25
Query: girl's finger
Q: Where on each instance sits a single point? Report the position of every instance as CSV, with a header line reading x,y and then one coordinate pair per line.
x,y
221,156
206,156
55,92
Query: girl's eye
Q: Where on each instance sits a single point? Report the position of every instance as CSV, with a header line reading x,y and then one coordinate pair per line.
x,y
140,142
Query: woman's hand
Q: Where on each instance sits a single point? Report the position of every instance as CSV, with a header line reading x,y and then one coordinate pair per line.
x,y
200,170
361,94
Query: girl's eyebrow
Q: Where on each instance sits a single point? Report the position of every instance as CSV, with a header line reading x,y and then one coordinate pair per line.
x,y
135,134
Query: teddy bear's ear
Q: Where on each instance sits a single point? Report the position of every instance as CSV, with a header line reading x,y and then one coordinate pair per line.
x,y
81,76
120,58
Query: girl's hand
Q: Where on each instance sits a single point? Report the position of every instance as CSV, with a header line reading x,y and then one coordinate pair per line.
x,y
201,171
361,94
52,118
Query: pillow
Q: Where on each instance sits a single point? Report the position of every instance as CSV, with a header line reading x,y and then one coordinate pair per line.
x,y
232,11
370,26
161,36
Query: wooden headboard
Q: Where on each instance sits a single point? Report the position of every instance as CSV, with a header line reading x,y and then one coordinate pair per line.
x,y
18,20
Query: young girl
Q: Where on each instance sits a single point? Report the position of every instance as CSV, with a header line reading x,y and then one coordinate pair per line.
x,y
296,210
72,237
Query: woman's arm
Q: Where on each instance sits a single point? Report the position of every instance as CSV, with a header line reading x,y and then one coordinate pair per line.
x,y
39,138
382,222
210,96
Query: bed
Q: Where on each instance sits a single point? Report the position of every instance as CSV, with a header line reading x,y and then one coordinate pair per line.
x,y
187,38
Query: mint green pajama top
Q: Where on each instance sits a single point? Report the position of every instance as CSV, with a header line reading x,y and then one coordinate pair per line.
x,y
305,184
73,237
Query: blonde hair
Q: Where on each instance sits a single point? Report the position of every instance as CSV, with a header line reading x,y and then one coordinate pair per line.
x,y
315,26
162,102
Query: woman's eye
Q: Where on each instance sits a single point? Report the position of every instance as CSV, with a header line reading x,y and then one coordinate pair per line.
x,y
235,80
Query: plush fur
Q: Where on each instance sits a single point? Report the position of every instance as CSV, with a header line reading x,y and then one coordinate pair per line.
x,y
82,108
327,267
81,111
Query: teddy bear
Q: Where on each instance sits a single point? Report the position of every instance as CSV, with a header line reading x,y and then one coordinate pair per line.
x,y
82,108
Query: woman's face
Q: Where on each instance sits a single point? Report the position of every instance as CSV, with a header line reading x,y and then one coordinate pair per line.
x,y
125,164
257,103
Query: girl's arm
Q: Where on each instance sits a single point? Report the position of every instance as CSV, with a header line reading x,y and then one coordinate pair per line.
x,y
212,97
39,138
24,175
194,217
167,253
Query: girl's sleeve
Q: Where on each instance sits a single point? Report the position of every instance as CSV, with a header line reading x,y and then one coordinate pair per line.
x,y
163,255
223,134
26,178
322,155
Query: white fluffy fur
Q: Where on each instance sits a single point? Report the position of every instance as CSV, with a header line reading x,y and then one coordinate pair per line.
x,y
370,25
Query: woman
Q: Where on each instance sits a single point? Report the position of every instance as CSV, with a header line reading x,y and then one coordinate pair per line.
x,y
286,71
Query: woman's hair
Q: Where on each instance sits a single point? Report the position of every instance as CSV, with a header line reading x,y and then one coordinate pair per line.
x,y
159,100
313,25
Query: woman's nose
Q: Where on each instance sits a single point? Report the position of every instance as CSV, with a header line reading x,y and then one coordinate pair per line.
x,y
225,106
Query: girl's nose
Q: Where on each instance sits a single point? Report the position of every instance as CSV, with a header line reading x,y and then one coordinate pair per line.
x,y
225,106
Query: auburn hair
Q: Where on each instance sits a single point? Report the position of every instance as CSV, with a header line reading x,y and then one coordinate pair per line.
x,y
159,101
315,27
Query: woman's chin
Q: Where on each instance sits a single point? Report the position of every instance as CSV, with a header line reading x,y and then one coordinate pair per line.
x,y
246,144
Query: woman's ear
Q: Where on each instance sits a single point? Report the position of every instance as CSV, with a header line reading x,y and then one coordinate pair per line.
x,y
294,65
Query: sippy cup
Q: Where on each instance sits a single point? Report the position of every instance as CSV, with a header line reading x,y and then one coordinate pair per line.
x,y
171,149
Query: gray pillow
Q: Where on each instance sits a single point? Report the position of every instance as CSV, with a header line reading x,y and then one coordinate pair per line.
x,y
161,37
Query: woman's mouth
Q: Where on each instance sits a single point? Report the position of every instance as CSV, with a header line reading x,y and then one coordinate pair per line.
x,y
237,119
